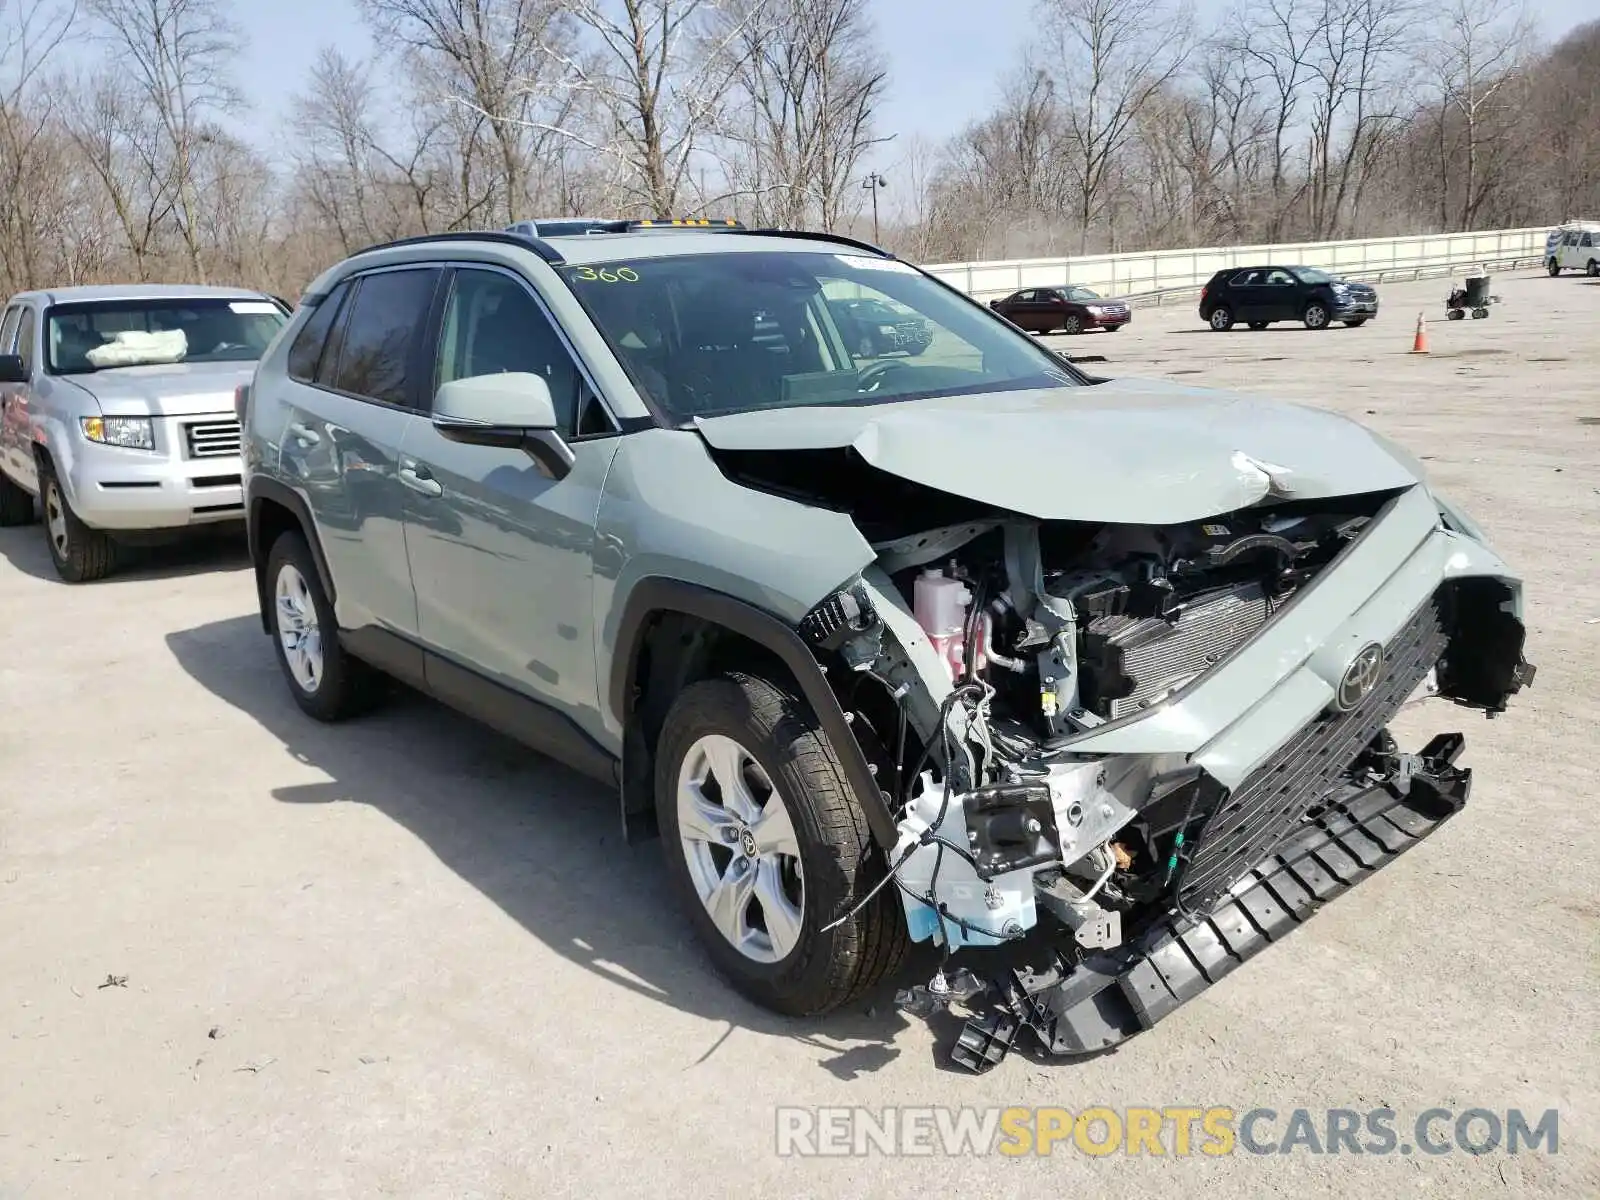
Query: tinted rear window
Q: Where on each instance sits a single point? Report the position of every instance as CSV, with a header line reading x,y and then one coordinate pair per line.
x,y
381,336
306,352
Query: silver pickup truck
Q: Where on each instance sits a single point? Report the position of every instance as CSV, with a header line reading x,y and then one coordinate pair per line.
x,y
117,413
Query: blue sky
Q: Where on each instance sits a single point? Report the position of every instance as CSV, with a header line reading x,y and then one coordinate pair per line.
x,y
945,55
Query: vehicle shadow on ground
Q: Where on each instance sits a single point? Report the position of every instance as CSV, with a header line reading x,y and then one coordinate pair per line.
x,y
24,548
540,841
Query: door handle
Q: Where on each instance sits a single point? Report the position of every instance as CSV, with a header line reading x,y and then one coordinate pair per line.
x,y
419,479
304,434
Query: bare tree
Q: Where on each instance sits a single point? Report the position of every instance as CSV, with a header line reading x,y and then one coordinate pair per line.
x,y
1112,57
30,165
500,60
1479,49
176,55
807,83
657,79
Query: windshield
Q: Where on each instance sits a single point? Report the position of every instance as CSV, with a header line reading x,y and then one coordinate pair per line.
x,y
96,335
1081,293
709,334
1312,275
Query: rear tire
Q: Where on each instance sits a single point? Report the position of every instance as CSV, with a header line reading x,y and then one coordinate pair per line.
x,y
80,554
325,681
16,505
801,845
1221,320
1592,268
1356,323
1258,325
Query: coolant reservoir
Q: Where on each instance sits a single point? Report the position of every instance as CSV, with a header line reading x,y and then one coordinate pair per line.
x,y
993,910
940,606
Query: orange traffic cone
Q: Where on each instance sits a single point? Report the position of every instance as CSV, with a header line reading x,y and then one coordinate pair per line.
x,y
1419,344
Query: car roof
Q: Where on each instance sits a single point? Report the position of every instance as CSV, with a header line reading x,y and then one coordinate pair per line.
x,y
137,291
593,247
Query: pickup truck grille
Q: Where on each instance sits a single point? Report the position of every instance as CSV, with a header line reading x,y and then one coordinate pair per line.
x,y
211,439
1268,806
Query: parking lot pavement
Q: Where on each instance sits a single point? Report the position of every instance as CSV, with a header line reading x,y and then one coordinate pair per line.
x,y
246,955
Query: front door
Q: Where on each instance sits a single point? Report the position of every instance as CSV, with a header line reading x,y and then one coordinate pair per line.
x,y
341,443
502,553
18,335
1280,297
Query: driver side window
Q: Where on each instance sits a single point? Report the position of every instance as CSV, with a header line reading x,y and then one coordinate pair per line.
x,y
492,324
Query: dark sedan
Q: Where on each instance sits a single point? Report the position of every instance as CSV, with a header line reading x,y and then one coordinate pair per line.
x,y
1069,309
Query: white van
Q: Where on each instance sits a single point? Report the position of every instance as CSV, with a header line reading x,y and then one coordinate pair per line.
x,y
1574,246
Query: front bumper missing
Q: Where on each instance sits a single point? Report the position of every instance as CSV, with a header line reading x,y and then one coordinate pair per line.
x,y
1098,1002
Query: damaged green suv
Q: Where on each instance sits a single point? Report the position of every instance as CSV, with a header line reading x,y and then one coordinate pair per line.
x,y
963,647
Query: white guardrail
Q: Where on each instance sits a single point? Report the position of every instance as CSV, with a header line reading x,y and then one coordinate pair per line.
x,y
1151,274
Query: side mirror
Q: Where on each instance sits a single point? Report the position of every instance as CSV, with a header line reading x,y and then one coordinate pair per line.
x,y
511,410
12,369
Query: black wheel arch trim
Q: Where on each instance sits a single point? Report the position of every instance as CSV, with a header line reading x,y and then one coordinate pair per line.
x,y
260,490
655,594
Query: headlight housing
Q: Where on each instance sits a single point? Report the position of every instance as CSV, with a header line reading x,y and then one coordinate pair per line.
x,y
130,433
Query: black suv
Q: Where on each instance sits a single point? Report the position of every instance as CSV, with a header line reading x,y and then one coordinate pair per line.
x,y
1258,296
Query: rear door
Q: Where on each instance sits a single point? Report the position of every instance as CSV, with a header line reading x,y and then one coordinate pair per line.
x,y
1246,295
1024,309
352,400
502,554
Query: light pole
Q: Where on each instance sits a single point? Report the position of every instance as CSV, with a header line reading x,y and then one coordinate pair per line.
x,y
872,183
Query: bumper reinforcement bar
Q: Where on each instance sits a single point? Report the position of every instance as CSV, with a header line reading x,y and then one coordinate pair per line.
x,y
1083,1009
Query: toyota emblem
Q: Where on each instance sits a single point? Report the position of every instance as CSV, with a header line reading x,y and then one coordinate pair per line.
x,y
1360,677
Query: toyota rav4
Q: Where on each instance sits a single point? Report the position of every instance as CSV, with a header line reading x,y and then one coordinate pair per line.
x,y
964,648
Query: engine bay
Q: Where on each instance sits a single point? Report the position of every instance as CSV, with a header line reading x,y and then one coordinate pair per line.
x,y
1076,626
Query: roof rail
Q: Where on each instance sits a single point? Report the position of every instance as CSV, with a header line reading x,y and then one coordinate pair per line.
x,y
540,247
814,235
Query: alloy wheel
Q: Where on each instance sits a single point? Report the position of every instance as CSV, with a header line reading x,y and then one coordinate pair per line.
x,y
55,519
298,629
741,849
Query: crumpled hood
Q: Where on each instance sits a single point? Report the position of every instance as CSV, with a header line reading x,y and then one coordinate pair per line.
x,y
167,389
1129,451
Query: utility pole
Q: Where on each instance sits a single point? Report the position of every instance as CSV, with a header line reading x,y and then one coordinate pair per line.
x,y
872,183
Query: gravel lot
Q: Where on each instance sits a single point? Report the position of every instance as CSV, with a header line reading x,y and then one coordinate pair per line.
x,y
406,957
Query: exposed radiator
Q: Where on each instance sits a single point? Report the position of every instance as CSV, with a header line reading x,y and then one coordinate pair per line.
x,y
1160,656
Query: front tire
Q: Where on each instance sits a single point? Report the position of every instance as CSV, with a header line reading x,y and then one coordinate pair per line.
x,y
766,844
1356,323
1553,267
1258,325
1072,325
1592,268
80,554
326,682
16,505
1221,320
1316,316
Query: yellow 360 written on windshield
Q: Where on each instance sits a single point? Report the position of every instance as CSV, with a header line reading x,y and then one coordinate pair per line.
x,y
605,275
